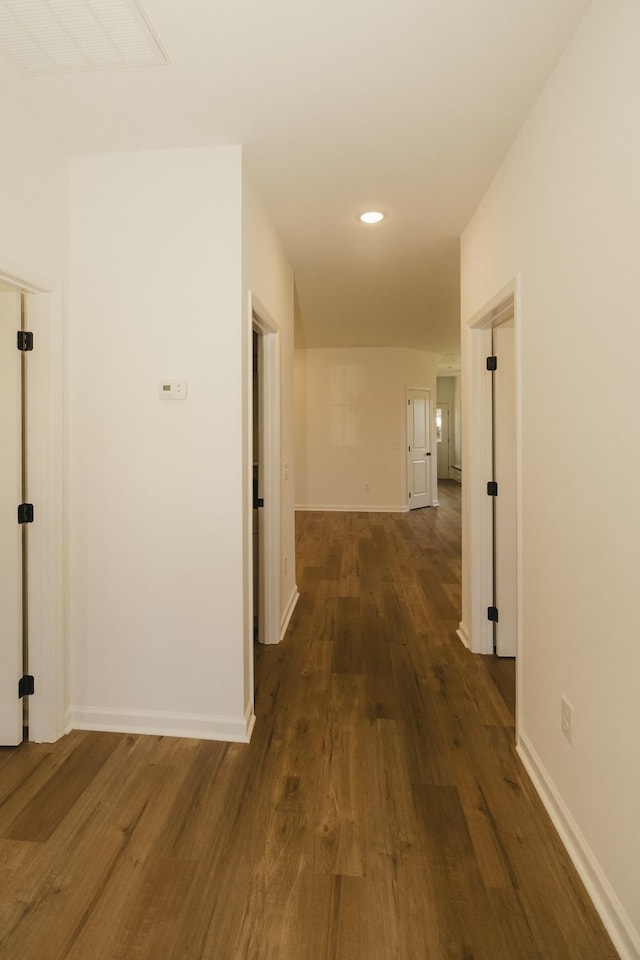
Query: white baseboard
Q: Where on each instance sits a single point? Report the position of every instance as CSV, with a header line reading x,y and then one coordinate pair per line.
x,y
435,503
286,617
353,508
625,938
160,724
250,721
463,633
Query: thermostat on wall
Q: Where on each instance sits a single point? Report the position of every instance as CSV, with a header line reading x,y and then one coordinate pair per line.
x,y
173,389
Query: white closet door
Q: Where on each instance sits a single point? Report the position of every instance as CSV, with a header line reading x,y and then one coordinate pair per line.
x,y
418,448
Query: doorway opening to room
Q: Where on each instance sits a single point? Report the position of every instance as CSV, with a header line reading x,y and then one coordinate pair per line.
x,y
442,440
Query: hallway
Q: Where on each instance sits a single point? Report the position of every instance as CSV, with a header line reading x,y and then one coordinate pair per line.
x,y
379,812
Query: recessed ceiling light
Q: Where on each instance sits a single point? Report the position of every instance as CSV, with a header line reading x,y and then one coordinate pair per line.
x,y
373,216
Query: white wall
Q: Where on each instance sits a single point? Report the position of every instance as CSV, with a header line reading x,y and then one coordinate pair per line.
x,y
33,188
351,425
156,487
563,213
268,276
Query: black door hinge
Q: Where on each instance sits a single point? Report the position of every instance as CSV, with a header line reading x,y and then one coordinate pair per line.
x,y
25,340
492,614
26,686
25,513
492,363
492,489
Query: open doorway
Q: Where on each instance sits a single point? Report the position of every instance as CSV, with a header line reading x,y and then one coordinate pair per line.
x,y
448,423
442,439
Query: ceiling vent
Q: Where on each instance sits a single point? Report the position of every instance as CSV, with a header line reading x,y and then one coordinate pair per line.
x,y
43,37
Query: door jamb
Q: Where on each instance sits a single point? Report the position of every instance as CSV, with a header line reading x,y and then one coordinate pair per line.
x,y
45,445
476,631
263,323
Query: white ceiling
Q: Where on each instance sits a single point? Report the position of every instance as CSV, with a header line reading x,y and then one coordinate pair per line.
x,y
342,106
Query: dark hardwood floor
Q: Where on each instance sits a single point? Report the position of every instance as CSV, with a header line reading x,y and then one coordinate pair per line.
x,y
379,812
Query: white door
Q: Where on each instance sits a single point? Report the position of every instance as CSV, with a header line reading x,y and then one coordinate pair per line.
x,y
418,448
504,451
10,531
442,440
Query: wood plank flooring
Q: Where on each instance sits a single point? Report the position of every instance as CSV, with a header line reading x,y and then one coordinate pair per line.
x,y
379,812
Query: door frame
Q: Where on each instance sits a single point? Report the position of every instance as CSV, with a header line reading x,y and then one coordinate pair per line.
x,y
12,652
504,505
269,538
475,630
45,458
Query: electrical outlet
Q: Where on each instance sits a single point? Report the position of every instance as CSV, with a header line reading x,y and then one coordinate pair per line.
x,y
366,488
566,719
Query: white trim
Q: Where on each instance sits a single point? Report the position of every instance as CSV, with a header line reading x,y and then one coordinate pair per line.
x,y
346,508
477,548
45,481
618,925
24,279
520,645
286,617
260,320
463,633
435,503
161,724
479,517
249,722
45,440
